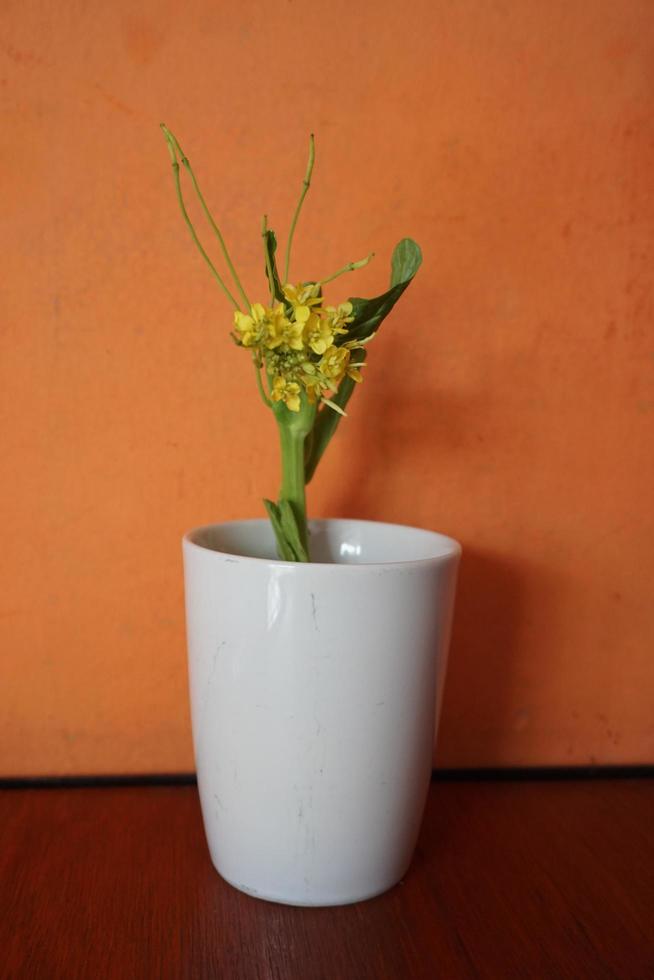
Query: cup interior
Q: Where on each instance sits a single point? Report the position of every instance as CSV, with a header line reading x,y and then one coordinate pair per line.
x,y
341,542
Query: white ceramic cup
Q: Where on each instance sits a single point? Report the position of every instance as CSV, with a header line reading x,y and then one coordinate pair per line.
x,y
315,691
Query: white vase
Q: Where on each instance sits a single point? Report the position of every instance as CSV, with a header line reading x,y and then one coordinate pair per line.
x,y
315,691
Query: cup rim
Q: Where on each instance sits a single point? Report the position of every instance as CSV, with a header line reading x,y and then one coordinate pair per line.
x,y
449,548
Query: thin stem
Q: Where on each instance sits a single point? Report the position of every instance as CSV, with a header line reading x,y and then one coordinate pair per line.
x,y
172,149
203,204
210,219
271,281
257,369
350,267
306,183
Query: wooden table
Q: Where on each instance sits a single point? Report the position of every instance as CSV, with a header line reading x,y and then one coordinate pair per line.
x,y
541,879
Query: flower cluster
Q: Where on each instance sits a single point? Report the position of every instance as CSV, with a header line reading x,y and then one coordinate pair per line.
x,y
301,343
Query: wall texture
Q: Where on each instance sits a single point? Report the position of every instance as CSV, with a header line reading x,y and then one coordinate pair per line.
x,y
509,400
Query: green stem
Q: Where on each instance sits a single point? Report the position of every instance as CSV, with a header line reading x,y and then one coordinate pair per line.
x,y
210,218
350,267
306,183
271,281
293,488
172,149
294,427
257,371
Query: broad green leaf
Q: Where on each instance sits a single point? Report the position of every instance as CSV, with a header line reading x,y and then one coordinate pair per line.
x,y
369,313
406,260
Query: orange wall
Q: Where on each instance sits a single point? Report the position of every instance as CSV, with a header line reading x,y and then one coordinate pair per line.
x,y
509,400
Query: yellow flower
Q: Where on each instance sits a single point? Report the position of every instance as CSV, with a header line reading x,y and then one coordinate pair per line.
x,y
287,392
318,334
338,316
283,332
302,314
311,381
304,294
333,365
353,369
251,328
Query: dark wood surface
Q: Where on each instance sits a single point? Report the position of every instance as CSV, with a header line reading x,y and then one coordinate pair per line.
x,y
541,879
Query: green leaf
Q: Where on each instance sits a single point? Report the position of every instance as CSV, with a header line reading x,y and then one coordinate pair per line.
x,y
270,247
291,529
369,313
284,524
286,552
327,421
406,260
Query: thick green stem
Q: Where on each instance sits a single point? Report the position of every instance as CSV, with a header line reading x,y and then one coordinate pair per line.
x,y
292,488
293,430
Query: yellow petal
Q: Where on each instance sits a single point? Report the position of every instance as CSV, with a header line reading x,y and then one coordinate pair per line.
x,y
242,320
